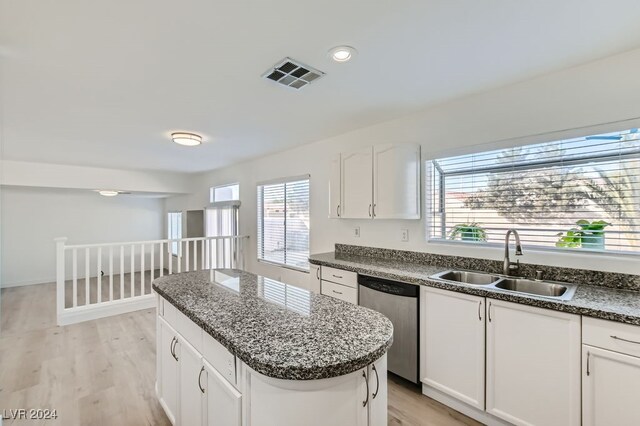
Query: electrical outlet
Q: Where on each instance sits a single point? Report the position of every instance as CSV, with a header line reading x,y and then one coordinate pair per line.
x,y
356,232
404,235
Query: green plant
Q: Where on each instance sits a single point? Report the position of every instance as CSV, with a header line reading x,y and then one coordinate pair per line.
x,y
468,232
586,234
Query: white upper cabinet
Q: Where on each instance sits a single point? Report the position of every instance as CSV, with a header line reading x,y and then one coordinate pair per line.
x,y
533,365
396,181
335,190
357,183
379,182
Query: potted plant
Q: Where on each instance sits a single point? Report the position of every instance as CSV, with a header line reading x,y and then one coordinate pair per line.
x,y
589,235
468,232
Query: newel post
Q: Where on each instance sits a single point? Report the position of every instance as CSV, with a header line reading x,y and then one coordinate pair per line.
x,y
60,275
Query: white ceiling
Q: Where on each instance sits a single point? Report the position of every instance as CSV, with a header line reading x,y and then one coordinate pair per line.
x,y
104,83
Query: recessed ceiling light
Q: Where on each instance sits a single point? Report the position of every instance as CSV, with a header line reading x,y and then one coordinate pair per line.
x,y
186,139
342,53
108,193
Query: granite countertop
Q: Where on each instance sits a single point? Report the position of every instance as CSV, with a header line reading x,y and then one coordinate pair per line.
x,y
589,300
279,330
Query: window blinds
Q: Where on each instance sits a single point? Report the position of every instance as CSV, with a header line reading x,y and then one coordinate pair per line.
x,y
581,194
283,223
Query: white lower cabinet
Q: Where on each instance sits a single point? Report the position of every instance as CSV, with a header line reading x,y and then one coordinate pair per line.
x,y
533,365
190,389
355,399
610,373
453,344
223,403
167,369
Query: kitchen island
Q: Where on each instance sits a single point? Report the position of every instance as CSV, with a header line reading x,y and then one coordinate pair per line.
x,y
235,348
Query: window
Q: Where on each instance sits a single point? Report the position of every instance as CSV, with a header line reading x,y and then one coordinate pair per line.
x,y
575,194
224,193
283,222
174,231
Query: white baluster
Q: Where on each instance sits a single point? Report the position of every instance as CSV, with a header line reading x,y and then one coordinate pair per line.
x,y
195,255
121,272
170,257
110,273
202,254
86,275
141,269
179,256
132,272
186,266
75,277
224,252
161,260
153,270
99,276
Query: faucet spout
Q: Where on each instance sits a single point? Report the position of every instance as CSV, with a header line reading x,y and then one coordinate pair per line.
x,y
511,268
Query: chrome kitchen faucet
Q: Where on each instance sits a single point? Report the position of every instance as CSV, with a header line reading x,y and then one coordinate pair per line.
x,y
511,268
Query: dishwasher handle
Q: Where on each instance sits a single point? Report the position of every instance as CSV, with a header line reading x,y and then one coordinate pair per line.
x,y
387,286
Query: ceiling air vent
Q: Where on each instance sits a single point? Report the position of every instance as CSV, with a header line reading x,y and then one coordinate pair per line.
x,y
292,73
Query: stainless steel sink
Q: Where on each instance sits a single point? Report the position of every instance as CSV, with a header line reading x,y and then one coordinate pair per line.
x,y
539,288
550,289
467,277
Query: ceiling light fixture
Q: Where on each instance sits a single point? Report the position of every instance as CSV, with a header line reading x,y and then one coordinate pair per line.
x,y
342,53
108,193
186,139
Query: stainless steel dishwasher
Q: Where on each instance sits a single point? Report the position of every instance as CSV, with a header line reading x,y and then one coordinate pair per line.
x,y
400,303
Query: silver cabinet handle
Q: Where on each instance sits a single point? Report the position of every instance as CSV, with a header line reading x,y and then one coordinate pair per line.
x,y
369,210
318,273
338,210
624,340
588,358
337,276
479,307
366,401
377,382
374,210
199,375
336,292
173,348
489,312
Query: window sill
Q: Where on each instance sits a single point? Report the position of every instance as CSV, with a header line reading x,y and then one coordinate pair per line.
x,y
282,265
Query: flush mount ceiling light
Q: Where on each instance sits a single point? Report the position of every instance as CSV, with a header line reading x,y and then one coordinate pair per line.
x,y
186,139
108,193
342,53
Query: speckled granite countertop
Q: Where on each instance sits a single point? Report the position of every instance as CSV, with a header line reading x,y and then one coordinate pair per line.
x,y
590,300
279,330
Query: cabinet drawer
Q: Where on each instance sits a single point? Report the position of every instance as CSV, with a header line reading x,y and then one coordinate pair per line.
x,y
219,357
615,336
189,330
348,278
167,311
340,291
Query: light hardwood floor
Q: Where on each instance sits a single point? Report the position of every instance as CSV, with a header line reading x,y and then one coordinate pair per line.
x,y
102,372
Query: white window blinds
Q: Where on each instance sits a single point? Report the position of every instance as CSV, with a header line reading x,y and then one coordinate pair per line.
x,y
579,194
283,222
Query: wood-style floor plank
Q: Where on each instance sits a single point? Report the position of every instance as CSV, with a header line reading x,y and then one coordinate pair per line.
x,y
102,372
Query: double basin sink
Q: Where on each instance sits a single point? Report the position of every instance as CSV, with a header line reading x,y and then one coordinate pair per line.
x,y
549,289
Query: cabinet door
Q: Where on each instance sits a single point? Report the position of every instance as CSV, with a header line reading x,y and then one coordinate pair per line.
x,y
378,392
167,370
533,365
223,401
191,385
314,278
396,181
610,388
357,184
453,344
335,183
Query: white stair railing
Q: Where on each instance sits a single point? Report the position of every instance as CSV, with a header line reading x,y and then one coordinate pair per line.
x,y
99,280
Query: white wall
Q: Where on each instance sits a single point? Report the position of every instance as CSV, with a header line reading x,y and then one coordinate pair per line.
x,y
556,105
33,217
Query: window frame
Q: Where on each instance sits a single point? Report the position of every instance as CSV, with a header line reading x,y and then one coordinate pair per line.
x,y
212,192
437,207
261,217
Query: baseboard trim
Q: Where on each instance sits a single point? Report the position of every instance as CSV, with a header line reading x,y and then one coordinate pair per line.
x,y
106,309
29,282
476,414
